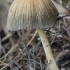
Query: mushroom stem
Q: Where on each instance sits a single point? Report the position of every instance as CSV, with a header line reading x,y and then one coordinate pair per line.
x,y
47,49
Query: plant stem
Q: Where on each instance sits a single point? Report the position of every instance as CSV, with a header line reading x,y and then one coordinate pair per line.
x,y
47,49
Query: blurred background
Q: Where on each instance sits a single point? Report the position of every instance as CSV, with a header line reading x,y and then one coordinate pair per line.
x,y
16,55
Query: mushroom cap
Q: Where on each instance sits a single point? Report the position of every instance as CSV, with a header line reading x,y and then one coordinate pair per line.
x,y
31,14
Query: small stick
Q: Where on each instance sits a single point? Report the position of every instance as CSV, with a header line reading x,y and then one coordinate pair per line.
x,y
32,38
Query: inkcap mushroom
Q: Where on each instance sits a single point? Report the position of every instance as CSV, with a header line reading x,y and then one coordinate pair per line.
x,y
39,14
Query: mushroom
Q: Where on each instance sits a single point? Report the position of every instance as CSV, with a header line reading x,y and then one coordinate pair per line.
x,y
39,14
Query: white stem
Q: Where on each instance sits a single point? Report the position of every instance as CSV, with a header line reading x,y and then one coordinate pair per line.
x,y
47,49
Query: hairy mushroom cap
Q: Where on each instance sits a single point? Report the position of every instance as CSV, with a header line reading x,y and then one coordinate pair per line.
x,y
31,14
